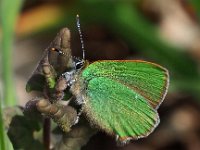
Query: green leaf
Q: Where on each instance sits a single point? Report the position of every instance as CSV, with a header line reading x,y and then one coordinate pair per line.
x,y
9,11
5,143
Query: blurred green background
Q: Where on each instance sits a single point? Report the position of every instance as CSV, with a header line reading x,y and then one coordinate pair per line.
x,y
164,32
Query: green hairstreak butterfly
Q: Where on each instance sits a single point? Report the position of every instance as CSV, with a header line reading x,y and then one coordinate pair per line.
x,y
120,97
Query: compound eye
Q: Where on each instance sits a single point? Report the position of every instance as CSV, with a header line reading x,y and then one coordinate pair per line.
x,y
79,64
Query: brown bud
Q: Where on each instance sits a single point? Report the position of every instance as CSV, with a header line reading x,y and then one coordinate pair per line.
x,y
61,84
64,116
46,69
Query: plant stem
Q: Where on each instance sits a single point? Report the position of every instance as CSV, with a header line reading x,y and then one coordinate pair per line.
x,y
46,133
8,25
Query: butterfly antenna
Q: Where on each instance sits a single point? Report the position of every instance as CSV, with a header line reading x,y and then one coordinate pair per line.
x,y
80,34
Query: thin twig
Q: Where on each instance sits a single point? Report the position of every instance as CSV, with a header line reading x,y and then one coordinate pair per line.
x,y
46,133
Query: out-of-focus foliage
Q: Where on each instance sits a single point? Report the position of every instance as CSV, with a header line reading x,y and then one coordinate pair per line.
x,y
196,5
126,21
123,19
2,133
8,15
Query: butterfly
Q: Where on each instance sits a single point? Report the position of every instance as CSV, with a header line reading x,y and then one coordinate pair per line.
x,y
120,97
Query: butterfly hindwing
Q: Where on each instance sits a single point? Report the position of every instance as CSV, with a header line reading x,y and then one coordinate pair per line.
x,y
119,110
121,96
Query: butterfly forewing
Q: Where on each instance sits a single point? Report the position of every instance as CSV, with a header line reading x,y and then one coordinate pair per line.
x,y
148,79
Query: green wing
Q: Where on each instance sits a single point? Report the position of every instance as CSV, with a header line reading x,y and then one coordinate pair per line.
x,y
121,96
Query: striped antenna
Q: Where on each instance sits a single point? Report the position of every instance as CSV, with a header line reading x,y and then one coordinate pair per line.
x,y
80,34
